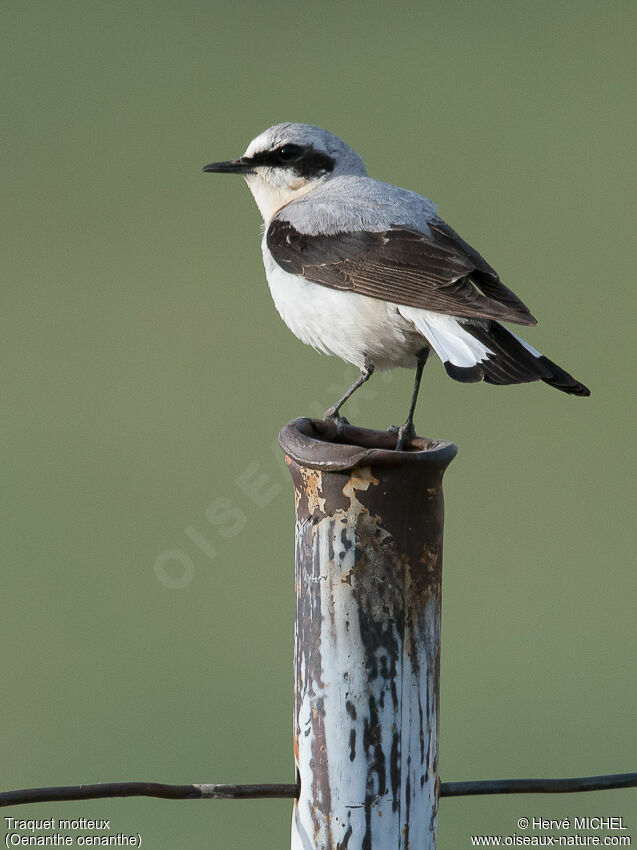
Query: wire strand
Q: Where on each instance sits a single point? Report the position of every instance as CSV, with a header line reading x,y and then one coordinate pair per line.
x,y
291,790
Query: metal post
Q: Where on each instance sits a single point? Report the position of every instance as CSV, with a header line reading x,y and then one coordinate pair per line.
x,y
369,524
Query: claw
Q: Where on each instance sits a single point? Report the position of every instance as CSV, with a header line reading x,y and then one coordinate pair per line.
x,y
405,432
331,415
339,421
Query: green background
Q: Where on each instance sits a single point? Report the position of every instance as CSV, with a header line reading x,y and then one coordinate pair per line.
x,y
145,375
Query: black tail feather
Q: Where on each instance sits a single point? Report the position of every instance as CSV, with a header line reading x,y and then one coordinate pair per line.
x,y
561,380
510,362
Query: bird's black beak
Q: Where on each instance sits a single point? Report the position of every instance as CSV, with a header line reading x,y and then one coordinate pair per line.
x,y
230,166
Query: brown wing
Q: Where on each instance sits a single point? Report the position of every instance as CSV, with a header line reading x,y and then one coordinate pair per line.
x,y
440,272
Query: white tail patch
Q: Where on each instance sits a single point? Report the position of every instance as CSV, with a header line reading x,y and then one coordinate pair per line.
x,y
446,335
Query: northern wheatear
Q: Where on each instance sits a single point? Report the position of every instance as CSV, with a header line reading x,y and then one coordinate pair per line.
x,y
369,272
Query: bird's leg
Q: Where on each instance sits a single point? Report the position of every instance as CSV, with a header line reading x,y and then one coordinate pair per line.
x,y
332,412
407,430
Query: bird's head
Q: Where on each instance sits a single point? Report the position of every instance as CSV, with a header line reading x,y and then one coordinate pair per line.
x,y
287,161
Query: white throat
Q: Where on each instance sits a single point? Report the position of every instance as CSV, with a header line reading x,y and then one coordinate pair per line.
x,y
270,199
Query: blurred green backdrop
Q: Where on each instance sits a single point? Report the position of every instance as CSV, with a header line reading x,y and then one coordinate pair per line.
x,y
146,624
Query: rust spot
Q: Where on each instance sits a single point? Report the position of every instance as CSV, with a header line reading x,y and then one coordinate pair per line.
x,y
426,573
359,479
312,483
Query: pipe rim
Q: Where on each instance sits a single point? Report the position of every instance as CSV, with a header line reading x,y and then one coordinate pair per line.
x,y
320,444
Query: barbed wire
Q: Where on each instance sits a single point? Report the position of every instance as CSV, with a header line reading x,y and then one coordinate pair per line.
x,y
291,790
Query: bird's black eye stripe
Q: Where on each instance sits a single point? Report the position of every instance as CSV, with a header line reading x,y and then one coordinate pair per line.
x,y
314,163
305,160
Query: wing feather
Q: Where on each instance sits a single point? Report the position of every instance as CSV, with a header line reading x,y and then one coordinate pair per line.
x,y
438,272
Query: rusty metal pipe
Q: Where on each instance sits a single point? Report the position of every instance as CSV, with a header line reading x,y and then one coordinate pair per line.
x,y
369,523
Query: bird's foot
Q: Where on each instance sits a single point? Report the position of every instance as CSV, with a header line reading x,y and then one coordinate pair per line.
x,y
331,415
405,432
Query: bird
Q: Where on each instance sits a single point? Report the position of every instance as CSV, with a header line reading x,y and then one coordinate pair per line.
x,y
370,272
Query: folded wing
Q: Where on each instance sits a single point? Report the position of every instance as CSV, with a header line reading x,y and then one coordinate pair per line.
x,y
435,271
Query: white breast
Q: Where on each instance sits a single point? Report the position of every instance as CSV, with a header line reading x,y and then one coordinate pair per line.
x,y
350,326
